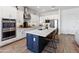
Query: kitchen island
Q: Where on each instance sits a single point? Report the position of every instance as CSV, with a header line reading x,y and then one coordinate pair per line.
x,y
36,39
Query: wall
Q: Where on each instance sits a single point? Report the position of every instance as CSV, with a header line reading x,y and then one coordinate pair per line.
x,y
34,20
70,21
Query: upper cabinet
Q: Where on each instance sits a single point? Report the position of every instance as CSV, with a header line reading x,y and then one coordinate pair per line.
x,y
19,18
8,12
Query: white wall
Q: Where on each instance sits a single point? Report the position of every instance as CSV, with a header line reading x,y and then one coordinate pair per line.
x,y
69,21
34,19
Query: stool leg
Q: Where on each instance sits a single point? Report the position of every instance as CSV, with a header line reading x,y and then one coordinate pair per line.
x,y
54,45
56,38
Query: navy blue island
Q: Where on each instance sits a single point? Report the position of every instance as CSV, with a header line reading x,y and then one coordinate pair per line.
x,y
36,39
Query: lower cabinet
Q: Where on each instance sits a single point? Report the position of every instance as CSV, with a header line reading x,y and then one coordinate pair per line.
x,y
20,33
35,43
29,41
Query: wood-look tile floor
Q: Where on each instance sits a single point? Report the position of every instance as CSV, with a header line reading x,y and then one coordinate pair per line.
x,y
66,45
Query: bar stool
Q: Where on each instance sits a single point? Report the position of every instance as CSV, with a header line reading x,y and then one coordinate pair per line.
x,y
57,36
53,39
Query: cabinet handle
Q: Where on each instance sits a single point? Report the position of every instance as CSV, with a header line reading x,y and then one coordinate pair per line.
x,y
34,39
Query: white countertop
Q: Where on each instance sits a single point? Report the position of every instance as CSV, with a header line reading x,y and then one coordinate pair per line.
x,y
28,29
43,33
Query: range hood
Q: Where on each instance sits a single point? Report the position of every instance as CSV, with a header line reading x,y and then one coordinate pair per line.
x,y
26,14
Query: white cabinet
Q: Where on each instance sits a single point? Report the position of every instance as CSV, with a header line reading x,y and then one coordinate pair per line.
x,y
23,33
8,12
20,33
13,13
4,12
77,37
19,19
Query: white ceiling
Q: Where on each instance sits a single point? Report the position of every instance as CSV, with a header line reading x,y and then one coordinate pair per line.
x,y
42,9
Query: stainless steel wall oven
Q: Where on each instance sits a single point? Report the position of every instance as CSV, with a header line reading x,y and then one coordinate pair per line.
x,y
8,28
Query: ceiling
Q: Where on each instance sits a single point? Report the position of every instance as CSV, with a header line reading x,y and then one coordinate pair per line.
x,y
42,9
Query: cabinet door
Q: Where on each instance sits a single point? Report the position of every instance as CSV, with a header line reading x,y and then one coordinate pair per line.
x,y
23,33
19,33
12,13
8,12
4,11
29,41
19,18
35,43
